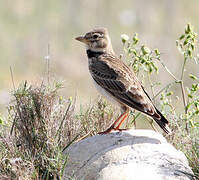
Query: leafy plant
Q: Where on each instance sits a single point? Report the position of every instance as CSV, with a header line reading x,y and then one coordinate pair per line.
x,y
185,123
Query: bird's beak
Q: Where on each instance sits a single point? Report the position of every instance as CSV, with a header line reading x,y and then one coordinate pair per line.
x,y
82,39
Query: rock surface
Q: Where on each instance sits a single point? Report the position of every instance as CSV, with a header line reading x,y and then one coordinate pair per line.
x,y
126,155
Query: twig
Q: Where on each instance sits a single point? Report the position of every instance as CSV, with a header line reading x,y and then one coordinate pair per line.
x,y
172,75
151,85
83,137
183,91
64,117
47,58
11,73
151,123
182,86
183,96
166,87
48,52
138,114
13,84
74,139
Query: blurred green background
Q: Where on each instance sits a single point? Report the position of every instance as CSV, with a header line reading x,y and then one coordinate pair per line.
x,y
28,26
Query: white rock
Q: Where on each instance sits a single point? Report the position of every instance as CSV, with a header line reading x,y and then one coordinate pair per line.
x,y
126,155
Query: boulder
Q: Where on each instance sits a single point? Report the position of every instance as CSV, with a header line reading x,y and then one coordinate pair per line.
x,y
126,155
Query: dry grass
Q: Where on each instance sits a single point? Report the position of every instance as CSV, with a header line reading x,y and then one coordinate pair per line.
x,y
43,124
38,133
187,142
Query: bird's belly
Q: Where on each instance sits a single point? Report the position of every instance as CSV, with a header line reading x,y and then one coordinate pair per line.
x,y
107,94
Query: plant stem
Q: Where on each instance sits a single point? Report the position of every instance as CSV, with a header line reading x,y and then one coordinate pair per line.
x,y
138,114
155,96
182,86
183,96
172,75
183,90
48,65
177,81
151,85
166,87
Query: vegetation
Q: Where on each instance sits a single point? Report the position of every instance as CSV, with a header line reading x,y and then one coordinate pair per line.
x,y
184,124
41,124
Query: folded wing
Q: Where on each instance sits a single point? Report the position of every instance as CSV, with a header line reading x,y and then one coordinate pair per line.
x,y
121,84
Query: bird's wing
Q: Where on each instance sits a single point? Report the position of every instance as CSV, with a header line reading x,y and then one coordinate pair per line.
x,y
117,79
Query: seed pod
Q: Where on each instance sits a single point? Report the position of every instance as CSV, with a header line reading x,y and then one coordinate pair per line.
x,y
157,52
185,42
193,77
189,52
124,38
145,50
182,37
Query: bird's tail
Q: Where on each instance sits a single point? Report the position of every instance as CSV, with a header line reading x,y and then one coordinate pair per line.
x,y
162,122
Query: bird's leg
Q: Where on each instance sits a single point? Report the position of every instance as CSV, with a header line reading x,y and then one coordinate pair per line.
x,y
122,117
113,125
121,122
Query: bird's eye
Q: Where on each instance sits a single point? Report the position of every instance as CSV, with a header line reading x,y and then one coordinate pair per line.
x,y
95,36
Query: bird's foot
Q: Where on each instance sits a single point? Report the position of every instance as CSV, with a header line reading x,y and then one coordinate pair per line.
x,y
107,131
111,129
117,128
121,129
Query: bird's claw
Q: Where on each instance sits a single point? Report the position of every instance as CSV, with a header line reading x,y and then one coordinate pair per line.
x,y
111,129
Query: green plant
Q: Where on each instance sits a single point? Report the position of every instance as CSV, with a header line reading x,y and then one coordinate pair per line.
x,y
185,123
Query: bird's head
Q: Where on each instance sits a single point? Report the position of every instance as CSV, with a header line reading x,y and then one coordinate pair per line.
x,y
97,40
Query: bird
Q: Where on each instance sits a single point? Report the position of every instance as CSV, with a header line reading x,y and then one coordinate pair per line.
x,y
116,81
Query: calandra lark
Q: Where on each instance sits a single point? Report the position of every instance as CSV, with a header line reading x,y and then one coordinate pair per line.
x,y
116,81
